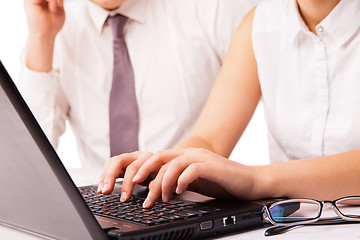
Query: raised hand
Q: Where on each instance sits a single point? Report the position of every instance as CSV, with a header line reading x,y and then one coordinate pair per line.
x,y
45,18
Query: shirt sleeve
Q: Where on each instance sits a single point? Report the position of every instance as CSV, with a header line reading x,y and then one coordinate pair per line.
x,y
44,96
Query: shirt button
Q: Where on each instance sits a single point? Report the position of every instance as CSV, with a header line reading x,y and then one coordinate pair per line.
x,y
320,29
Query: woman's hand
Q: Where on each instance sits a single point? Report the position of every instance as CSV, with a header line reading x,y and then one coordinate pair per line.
x,y
178,170
198,170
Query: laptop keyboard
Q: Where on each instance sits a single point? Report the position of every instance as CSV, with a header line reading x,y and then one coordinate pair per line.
x,y
132,211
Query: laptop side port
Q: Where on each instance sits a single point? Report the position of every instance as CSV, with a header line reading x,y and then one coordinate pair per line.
x,y
231,220
206,225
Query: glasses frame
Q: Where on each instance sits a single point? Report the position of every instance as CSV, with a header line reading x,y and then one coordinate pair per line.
x,y
269,219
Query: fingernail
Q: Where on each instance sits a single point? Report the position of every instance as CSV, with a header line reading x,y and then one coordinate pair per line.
x,y
136,178
106,187
123,197
146,203
100,187
165,198
178,190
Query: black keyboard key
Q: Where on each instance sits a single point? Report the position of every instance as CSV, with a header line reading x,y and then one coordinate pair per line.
x,y
110,206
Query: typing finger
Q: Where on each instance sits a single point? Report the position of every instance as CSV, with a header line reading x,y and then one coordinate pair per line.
x,y
103,175
174,170
155,189
114,168
131,170
189,175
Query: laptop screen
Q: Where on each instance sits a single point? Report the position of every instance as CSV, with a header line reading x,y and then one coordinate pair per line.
x,y
37,193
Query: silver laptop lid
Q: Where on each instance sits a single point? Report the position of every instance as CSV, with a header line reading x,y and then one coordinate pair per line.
x,y
38,195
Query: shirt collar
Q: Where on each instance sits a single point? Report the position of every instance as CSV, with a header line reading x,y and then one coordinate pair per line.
x,y
294,26
341,24
133,9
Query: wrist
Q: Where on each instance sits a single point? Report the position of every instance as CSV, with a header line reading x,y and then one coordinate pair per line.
x,y
46,39
242,181
194,142
43,35
264,182
39,53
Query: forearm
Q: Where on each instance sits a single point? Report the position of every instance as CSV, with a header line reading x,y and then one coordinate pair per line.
x,y
322,178
195,141
39,53
233,99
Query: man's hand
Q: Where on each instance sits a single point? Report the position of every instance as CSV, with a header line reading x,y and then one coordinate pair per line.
x,y
45,18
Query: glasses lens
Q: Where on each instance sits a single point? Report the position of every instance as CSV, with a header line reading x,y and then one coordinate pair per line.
x,y
294,211
350,207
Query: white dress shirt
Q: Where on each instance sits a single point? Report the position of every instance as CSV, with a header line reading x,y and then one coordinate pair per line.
x,y
176,49
310,83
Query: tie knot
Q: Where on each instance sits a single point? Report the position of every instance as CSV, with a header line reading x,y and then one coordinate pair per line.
x,y
117,24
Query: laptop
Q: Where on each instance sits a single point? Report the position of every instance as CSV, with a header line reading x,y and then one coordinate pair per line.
x,y
39,196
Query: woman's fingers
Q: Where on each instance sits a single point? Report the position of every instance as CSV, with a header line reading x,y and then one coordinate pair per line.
x,y
155,188
103,176
114,168
184,169
131,170
189,175
174,170
156,162
195,165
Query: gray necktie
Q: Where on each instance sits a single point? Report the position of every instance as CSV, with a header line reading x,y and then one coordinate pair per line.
x,y
123,107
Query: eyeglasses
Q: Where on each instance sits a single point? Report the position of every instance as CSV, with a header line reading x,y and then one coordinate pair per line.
x,y
305,211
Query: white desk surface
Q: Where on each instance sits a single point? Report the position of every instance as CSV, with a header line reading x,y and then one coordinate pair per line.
x,y
348,232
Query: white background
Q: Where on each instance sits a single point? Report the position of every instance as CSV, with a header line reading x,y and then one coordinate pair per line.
x,y
252,149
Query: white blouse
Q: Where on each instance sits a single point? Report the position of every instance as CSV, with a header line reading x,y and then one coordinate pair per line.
x,y
310,83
